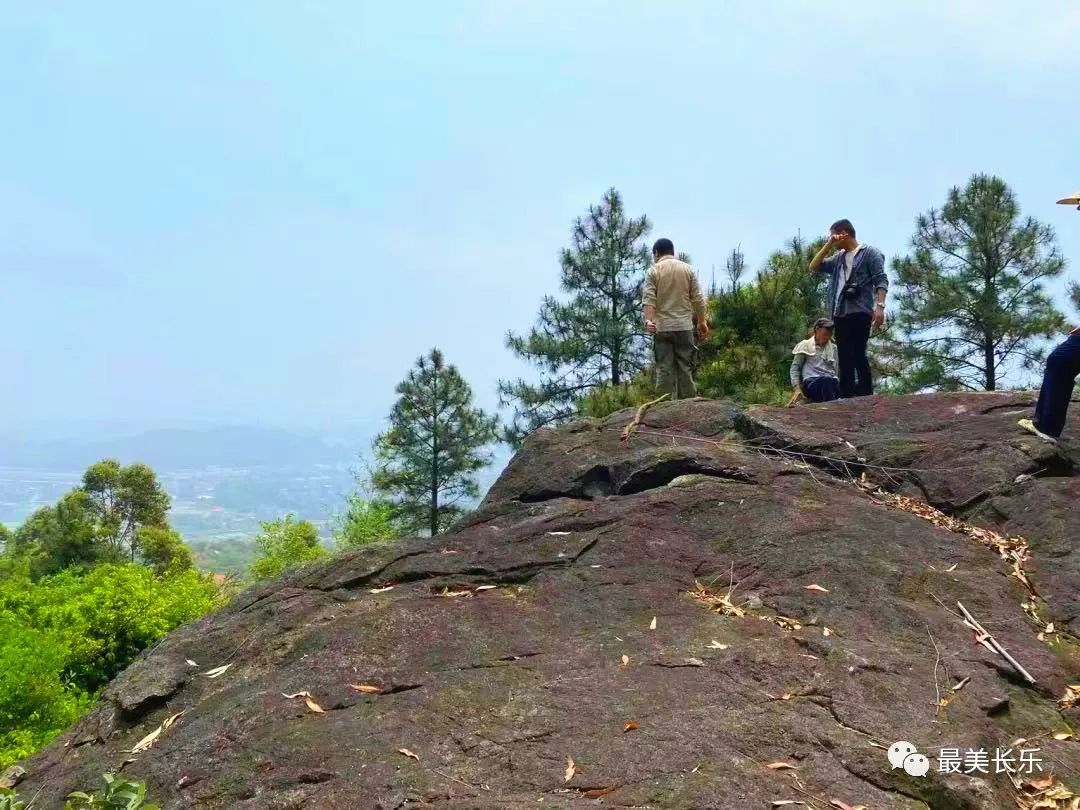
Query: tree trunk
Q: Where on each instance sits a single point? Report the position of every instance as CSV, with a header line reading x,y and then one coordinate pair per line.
x,y
988,359
434,517
615,376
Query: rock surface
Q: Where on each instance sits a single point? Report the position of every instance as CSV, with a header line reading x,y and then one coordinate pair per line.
x,y
559,622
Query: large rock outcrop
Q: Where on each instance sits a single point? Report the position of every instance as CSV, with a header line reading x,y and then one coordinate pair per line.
x,y
641,607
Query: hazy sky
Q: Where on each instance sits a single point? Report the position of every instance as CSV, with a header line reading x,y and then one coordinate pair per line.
x,y
263,211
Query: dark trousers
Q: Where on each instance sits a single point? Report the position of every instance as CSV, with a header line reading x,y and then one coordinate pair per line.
x,y
1062,367
821,389
674,354
852,334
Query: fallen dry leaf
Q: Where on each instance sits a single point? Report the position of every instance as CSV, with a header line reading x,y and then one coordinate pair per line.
x,y
1061,736
382,590
311,704
780,766
217,672
570,770
486,587
626,660
652,624
597,792
815,587
786,696
408,753
191,663
1049,628
846,806
720,602
961,684
1041,784
450,593
631,726
1071,697
716,645
170,720
558,534
787,803
825,631
366,688
448,551
951,568
787,623
147,741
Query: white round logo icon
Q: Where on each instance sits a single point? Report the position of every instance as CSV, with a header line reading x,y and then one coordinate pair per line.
x,y
899,751
916,765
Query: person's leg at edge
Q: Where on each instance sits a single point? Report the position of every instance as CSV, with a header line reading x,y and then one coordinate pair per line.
x,y
821,389
844,358
860,337
1059,378
664,356
684,365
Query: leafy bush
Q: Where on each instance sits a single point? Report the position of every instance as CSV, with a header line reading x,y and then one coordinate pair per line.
x,y
608,398
284,543
36,700
65,636
365,522
117,795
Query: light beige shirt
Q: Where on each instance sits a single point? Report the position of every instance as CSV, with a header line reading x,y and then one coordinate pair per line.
x,y
672,287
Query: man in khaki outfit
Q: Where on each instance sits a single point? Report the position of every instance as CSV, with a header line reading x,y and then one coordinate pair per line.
x,y
674,309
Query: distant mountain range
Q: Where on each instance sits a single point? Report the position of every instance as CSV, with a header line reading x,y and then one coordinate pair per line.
x,y
182,449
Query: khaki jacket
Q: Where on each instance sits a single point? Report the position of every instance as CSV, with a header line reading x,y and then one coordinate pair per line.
x,y
672,287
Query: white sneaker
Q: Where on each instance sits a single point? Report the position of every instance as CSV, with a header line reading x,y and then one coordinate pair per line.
x,y
1029,426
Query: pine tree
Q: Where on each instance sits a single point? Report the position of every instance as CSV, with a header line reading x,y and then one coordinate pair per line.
x,y
971,296
426,462
755,325
735,266
595,336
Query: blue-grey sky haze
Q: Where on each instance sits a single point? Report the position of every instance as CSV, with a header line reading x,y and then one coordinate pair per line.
x,y
262,212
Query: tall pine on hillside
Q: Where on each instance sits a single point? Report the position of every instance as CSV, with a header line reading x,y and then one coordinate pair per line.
x,y
971,296
593,337
427,461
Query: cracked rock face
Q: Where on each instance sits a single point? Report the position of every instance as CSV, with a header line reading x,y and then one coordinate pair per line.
x,y
641,608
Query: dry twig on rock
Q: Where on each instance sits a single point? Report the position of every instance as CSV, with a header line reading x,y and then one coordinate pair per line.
x,y
629,429
991,643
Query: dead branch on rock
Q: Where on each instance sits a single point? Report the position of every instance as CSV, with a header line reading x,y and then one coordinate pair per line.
x,y
983,637
937,664
629,429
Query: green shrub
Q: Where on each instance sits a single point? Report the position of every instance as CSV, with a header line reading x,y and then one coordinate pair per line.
x,y
36,701
117,795
283,544
65,636
365,521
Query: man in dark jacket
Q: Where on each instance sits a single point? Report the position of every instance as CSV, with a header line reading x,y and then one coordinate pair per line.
x,y
856,302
